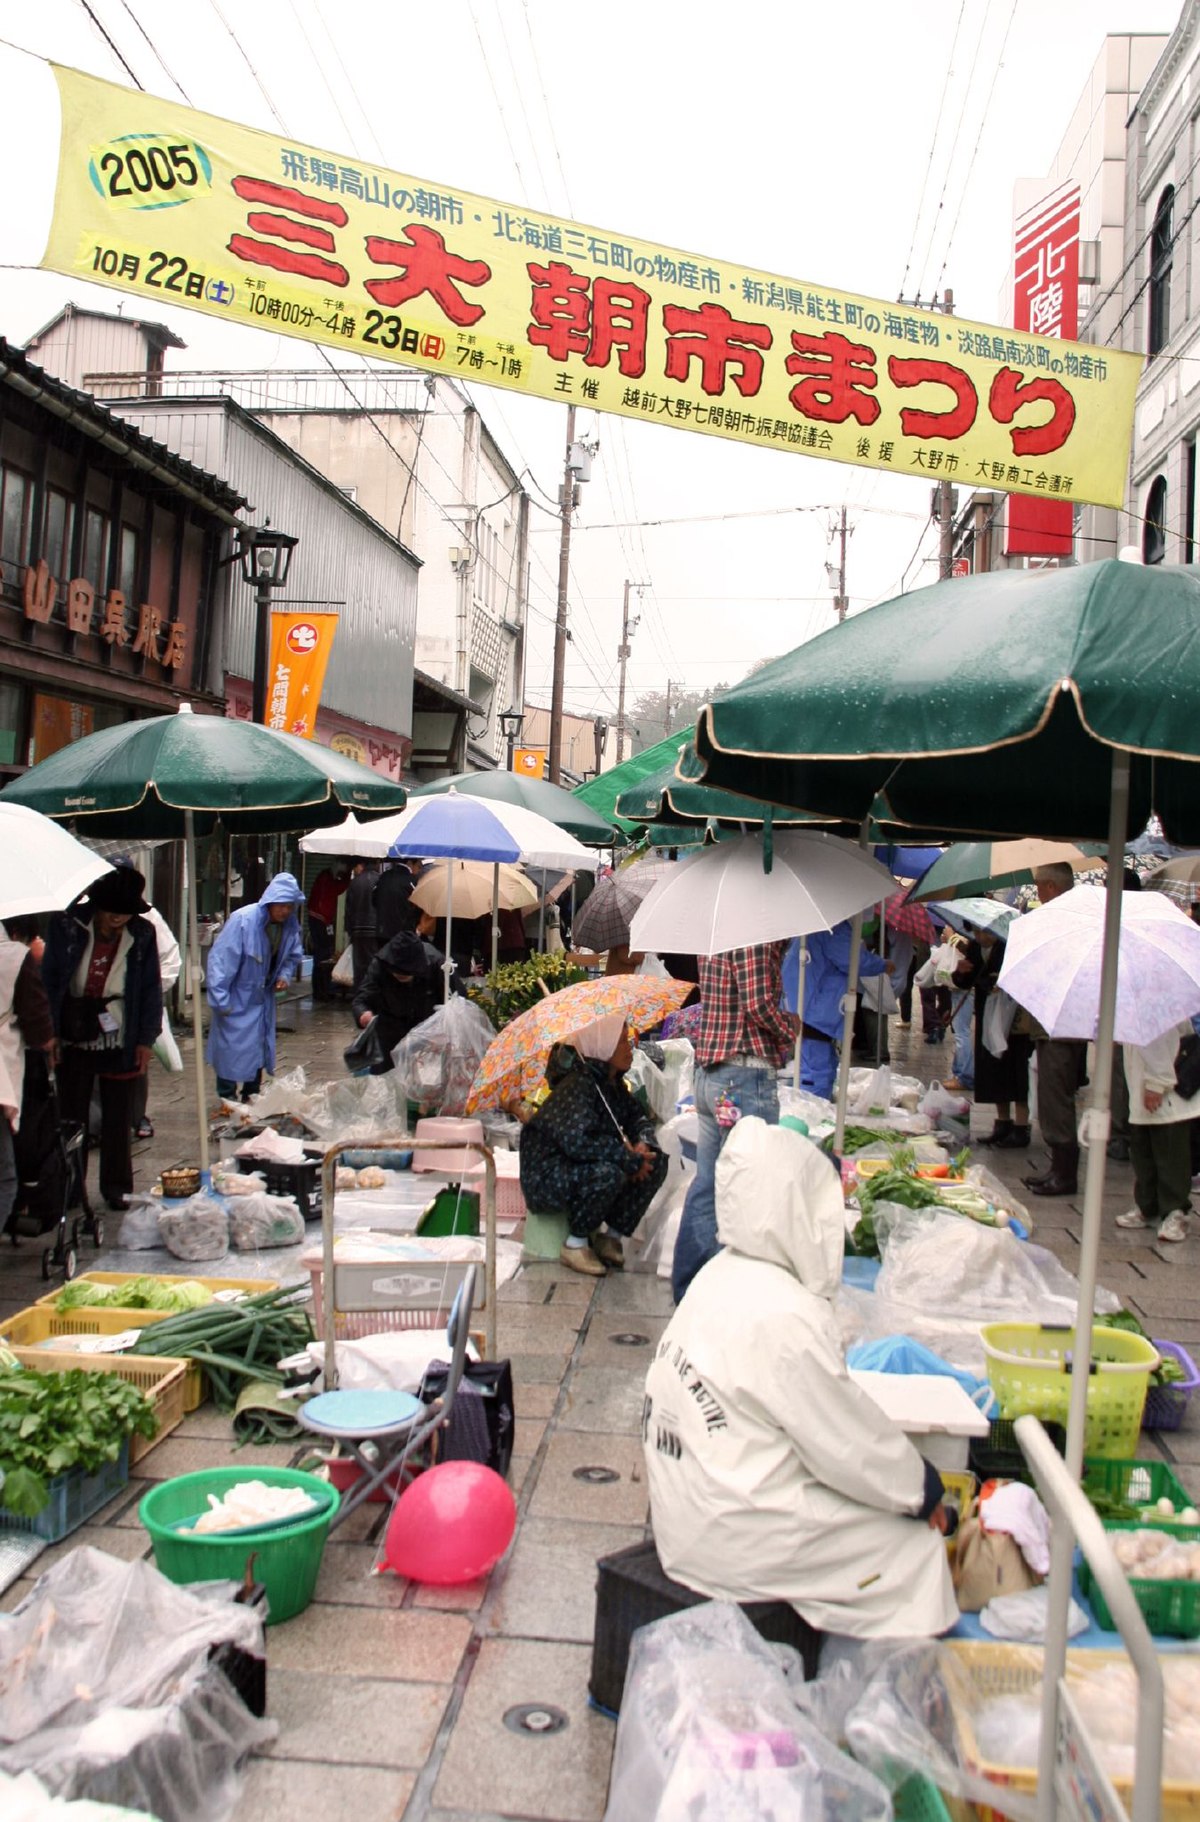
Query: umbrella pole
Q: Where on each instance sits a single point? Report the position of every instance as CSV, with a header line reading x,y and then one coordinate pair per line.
x,y
1096,1126
448,964
848,1005
802,958
189,837
879,1015
495,913
542,920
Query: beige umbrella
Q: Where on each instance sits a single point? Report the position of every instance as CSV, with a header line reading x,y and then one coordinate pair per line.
x,y
472,888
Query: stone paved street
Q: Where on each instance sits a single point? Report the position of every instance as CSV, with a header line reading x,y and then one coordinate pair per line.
x,y
390,1697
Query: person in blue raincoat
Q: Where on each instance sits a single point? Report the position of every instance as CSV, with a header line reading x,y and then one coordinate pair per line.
x,y
825,982
259,949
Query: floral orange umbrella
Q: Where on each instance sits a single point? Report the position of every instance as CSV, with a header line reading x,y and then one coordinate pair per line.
x,y
515,1063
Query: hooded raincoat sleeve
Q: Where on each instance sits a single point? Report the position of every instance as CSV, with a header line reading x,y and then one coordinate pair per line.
x,y
240,983
771,1476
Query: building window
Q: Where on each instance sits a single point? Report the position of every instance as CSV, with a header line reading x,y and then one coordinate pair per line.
x,y
127,574
58,526
15,491
1154,531
1162,240
95,549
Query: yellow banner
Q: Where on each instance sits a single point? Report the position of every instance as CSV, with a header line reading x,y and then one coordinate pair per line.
x,y
180,207
300,646
529,762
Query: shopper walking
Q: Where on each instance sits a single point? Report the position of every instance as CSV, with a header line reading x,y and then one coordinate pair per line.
x,y
1061,1066
323,896
258,951
361,928
1160,1131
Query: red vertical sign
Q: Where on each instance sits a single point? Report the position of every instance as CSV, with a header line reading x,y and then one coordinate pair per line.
x,y
1045,302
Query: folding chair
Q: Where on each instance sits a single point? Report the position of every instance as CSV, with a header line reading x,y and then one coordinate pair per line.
x,y
381,1429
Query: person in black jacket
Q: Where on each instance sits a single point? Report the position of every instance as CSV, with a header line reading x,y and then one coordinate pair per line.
x,y
392,898
402,987
102,981
359,915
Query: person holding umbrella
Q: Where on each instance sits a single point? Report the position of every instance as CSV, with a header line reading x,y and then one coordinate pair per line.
x,y
103,982
1061,1068
257,952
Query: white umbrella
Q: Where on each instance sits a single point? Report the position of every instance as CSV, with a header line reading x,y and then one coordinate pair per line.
x,y
44,866
722,899
979,913
1053,958
472,889
425,829
350,839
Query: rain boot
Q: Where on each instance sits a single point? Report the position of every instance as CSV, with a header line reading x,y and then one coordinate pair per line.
x,y
998,1135
1017,1139
1064,1173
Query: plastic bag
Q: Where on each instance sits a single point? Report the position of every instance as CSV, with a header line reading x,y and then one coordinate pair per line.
x,y
937,1101
651,1247
106,1690
709,1732
872,1091
938,1262
343,969
264,1221
195,1229
138,1232
437,1061
282,1094
901,1354
356,1108
1023,1616
395,1360
998,1017
167,1050
26,1799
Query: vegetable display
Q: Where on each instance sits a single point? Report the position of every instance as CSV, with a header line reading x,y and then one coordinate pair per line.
x,y
50,1422
234,1342
134,1294
1168,1371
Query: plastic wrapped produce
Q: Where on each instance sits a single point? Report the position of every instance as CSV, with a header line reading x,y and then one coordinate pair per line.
x,y
438,1059
935,1261
709,1732
138,1232
264,1221
195,1229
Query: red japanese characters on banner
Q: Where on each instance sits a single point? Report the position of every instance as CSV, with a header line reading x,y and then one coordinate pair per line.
x,y
1045,302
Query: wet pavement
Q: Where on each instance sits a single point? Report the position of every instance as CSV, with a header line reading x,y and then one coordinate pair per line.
x,y
391,1697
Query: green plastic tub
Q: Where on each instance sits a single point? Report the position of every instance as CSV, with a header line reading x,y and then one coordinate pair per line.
x,y
287,1559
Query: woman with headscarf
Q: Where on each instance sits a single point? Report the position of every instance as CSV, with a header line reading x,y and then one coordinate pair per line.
x,y
588,1152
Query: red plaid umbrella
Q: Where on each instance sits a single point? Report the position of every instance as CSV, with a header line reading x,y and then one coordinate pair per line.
x,y
909,919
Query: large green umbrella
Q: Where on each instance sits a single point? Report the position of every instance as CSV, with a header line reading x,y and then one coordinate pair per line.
x,y
662,798
970,869
601,792
563,808
174,775
1071,698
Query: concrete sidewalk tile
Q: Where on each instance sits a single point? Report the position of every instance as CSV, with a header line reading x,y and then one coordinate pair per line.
x,y
619,1502
186,1455
292,1787
527,1435
563,1776
466,1597
644,1292
547,1589
346,1579
536,1369
536,1334
600,1350
599,1400
348,1720
533,1400
112,1539
403,1647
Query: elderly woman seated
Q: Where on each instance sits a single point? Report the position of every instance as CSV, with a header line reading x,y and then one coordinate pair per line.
x,y
588,1152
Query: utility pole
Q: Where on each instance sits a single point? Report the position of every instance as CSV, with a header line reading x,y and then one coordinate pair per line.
x,y
667,711
628,628
566,501
840,600
945,499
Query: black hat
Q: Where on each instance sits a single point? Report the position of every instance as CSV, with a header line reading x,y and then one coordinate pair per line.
x,y
405,954
119,892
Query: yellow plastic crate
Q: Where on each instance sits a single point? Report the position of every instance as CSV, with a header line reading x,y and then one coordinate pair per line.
x,y
963,1487
997,1670
1030,1370
160,1379
252,1287
33,1328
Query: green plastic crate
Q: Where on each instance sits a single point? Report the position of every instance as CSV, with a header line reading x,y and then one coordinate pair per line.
x,y
1140,1483
1170,1609
919,1800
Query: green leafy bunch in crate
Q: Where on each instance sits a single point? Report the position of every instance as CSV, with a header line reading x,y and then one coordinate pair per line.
x,y
50,1422
516,986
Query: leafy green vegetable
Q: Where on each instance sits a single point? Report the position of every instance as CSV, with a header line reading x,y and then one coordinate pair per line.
x,y
1168,1371
857,1138
233,1342
50,1422
146,1293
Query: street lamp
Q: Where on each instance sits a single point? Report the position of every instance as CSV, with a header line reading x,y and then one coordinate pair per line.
x,y
265,556
510,727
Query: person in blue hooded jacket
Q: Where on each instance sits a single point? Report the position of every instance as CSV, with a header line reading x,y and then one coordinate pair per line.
x,y
259,950
826,979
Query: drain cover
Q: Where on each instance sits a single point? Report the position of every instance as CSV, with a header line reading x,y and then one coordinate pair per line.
x,y
535,1717
630,1340
597,1476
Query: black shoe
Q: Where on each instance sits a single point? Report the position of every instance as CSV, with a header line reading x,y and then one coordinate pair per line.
x,y
1015,1139
118,1203
998,1135
1054,1185
1118,1150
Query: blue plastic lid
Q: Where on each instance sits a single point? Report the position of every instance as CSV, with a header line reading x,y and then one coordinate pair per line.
x,y
358,1412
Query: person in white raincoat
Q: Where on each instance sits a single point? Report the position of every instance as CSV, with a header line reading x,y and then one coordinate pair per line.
x,y
772,1475
1160,1127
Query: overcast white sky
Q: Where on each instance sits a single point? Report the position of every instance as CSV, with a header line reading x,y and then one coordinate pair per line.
x,y
863,146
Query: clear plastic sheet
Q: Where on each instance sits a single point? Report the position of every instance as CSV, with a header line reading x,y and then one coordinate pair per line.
x,y
709,1732
437,1061
935,1261
26,1799
139,1225
263,1221
196,1229
106,1690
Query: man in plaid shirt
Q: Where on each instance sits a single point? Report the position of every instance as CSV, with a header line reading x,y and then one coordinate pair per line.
x,y
744,1038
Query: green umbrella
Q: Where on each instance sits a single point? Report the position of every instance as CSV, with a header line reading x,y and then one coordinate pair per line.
x,y
662,798
174,775
601,793
563,808
1070,698
972,868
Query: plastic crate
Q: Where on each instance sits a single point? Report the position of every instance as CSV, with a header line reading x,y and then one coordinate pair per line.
x,y
74,1498
998,1455
632,1590
962,1488
997,1670
1166,1405
919,1800
303,1181
1171,1609
1141,1483
1030,1369
33,1328
249,1287
160,1378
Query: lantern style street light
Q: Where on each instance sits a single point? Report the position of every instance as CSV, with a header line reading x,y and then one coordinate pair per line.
x,y
265,556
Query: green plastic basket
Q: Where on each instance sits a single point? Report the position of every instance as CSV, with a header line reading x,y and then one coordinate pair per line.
x,y
1031,1367
1171,1609
287,1559
919,1800
1141,1483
